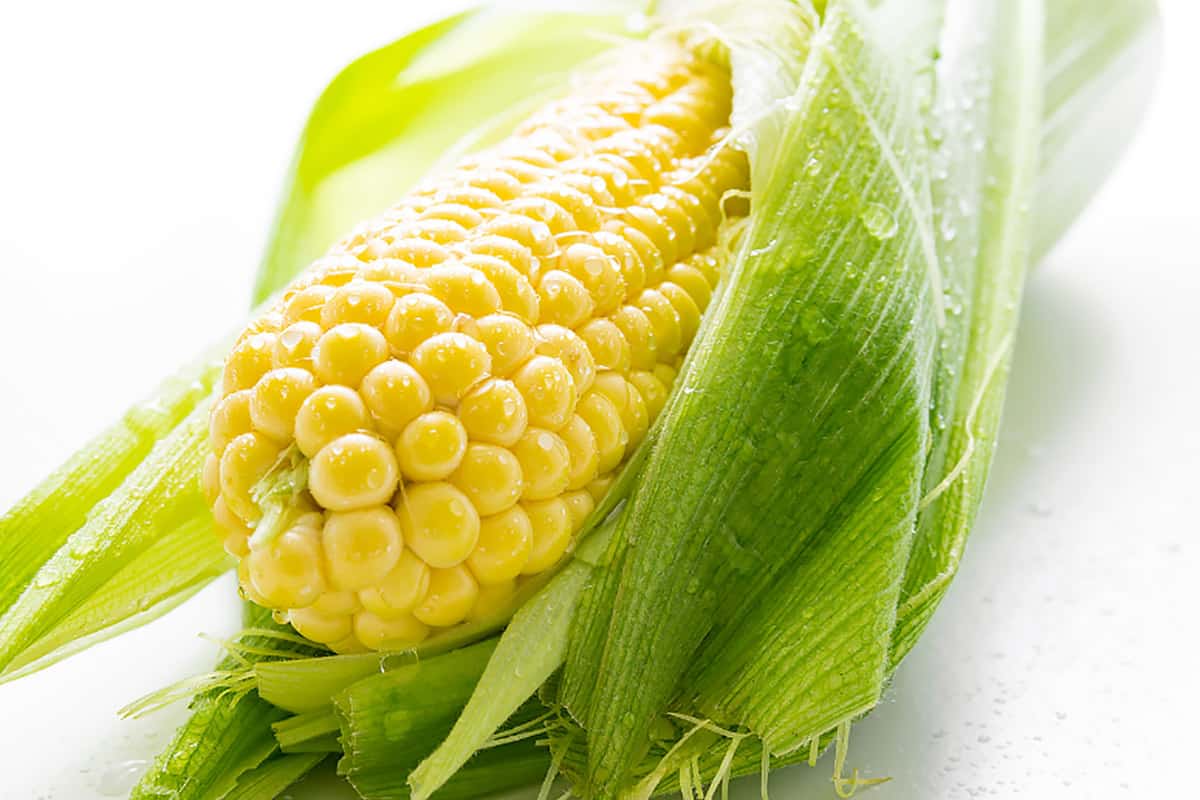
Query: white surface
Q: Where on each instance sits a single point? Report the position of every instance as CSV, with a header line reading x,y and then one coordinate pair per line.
x,y
141,150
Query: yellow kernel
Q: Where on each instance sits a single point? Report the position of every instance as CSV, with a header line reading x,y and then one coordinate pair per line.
x,y
616,180
605,421
626,145
452,593
499,183
334,270
464,215
651,224
635,418
441,231
321,627
581,445
666,373
599,273
664,319
580,506
682,235
418,252
413,319
599,487
509,341
532,234
347,352
326,414
361,547
545,464
276,399
306,304
703,226
685,307
548,391
464,290
692,281
210,478
295,344
348,646
286,572
708,210
395,394
397,277
524,162
431,446
440,524
358,301
233,532
353,471
246,586
563,300
649,255
336,603
471,197
607,345
551,521
451,363
398,633
564,345
592,187
246,461
639,335
494,603
505,542
553,215
708,265
614,386
517,296
400,590
230,418
503,249
494,411
679,117
249,361
490,476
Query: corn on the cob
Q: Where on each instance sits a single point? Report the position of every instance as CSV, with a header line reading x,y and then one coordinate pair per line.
x,y
461,377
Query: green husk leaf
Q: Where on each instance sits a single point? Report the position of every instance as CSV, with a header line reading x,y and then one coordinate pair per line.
x,y
1101,61
162,493
825,329
269,780
989,131
294,731
228,735
40,523
391,721
182,562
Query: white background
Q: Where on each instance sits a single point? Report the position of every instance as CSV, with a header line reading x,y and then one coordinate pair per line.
x,y
141,150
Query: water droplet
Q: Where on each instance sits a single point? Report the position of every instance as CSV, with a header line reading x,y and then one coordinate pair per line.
x,y
948,230
45,580
119,779
812,167
1039,509
879,221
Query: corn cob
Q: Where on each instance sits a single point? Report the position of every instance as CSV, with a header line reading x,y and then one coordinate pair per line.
x,y
428,415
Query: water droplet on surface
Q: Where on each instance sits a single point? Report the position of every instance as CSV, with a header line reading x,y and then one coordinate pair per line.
x,y
879,221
